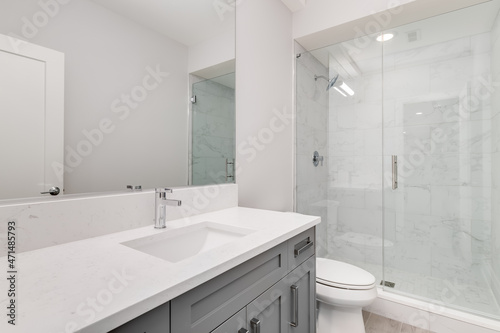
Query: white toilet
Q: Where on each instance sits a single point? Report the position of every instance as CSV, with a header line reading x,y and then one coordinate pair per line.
x,y
342,290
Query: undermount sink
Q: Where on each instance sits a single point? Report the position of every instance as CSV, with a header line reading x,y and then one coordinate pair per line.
x,y
179,244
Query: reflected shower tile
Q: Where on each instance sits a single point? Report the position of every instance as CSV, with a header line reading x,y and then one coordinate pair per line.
x,y
481,43
430,112
389,115
465,202
446,170
346,117
446,138
407,82
357,220
221,127
348,197
495,134
373,199
372,142
372,86
414,227
451,75
341,169
479,138
495,162
308,172
414,170
417,200
346,143
394,141
367,172
440,51
368,115
417,138
480,168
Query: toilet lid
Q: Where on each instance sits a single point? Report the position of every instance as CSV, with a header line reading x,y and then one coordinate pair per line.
x,y
342,275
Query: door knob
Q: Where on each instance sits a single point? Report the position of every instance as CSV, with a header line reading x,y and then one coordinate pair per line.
x,y
52,191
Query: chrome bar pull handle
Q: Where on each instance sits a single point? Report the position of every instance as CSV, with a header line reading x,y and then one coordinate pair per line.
x,y
394,172
302,247
295,306
243,330
255,324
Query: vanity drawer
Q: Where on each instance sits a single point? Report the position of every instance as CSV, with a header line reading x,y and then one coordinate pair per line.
x,y
301,247
205,307
154,321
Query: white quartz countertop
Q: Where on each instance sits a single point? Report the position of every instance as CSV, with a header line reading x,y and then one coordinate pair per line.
x,y
97,284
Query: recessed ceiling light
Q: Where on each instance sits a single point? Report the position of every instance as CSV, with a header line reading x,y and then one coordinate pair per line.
x,y
385,37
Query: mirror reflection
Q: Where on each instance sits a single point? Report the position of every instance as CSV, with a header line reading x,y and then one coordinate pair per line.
x,y
126,93
213,131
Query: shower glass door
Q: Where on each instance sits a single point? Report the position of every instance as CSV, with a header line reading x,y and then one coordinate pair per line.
x,y
213,131
339,115
441,106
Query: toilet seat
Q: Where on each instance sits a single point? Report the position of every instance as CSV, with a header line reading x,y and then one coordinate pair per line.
x,y
342,275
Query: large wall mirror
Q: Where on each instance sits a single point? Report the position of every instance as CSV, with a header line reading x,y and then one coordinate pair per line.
x,y
146,92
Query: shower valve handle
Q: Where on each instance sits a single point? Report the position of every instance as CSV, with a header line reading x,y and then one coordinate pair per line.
x,y
317,159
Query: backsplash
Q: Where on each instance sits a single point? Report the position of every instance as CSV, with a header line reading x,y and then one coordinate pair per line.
x,y
67,219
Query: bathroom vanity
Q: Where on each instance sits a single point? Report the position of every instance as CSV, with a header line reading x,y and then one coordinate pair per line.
x,y
231,270
273,292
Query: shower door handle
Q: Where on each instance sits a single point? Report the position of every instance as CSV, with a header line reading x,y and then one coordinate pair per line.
x,y
394,172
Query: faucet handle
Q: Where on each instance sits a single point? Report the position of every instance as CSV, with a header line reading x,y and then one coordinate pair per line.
x,y
163,190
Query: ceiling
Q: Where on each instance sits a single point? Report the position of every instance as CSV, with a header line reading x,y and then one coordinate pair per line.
x,y
189,22
454,25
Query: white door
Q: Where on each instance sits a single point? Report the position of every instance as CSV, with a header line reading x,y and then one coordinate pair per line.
x,y
31,119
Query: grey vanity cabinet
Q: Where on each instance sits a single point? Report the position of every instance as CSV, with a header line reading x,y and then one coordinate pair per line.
x,y
301,284
273,292
270,311
154,321
207,306
234,324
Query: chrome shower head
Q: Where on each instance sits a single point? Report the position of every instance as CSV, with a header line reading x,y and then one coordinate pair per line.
x,y
331,82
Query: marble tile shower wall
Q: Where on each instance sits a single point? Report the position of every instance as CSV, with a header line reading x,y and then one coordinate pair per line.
x,y
438,121
495,212
213,132
355,169
312,135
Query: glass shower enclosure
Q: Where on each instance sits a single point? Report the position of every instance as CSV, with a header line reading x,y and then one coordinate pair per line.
x,y
213,130
408,131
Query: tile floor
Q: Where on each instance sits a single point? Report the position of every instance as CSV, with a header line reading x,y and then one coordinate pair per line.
x,y
378,324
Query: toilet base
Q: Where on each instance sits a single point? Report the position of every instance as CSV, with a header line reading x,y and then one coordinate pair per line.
x,y
335,319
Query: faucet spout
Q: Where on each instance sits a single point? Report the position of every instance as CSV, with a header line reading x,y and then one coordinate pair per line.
x,y
161,202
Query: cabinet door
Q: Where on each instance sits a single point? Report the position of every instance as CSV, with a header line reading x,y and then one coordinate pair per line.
x,y
206,307
236,324
269,313
154,321
302,290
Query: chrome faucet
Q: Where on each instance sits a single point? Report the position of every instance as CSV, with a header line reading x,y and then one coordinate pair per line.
x,y
160,202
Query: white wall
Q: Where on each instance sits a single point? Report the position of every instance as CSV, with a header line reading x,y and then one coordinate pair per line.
x,y
212,52
264,81
106,57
